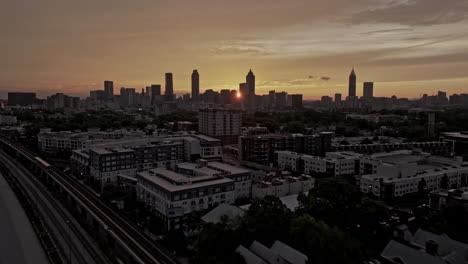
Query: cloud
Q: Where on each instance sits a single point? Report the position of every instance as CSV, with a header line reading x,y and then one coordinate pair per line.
x,y
383,31
325,78
414,13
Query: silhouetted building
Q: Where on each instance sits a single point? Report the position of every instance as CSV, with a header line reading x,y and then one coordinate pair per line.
x,y
155,92
22,99
195,86
169,87
109,89
250,80
352,84
296,101
368,90
250,95
97,94
338,98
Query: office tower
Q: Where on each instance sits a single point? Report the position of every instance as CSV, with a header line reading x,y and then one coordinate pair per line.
x,y
169,86
22,99
296,101
281,99
368,90
271,98
109,89
195,85
337,98
352,84
250,80
224,96
223,124
243,89
97,94
155,92
442,98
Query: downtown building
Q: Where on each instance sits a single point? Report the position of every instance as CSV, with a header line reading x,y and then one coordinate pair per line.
x,y
261,148
190,187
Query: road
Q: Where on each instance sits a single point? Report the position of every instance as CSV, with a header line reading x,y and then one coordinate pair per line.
x,y
18,242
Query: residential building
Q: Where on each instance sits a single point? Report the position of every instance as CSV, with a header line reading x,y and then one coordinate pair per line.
x,y
278,253
223,124
333,164
394,174
261,148
174,195
283,186
440,198
425,247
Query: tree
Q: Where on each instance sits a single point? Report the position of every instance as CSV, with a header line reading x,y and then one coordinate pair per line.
x,y
265,220
217,243
322,243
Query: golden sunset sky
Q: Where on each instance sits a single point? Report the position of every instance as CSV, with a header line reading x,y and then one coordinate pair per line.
x,y
407,47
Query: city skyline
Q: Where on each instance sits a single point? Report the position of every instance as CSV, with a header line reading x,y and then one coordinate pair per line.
x,y
406,48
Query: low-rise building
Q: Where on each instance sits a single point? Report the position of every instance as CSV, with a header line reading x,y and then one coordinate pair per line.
x,y
8,120
108,163
440,198
148,152
333,164
389,175
261,148
425,247
281,187
175,195
53,142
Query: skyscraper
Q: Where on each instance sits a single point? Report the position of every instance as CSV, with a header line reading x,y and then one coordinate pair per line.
x,y
195,85
368,90
352,84
337,98
155,92
169,86
250,80
109,89
250,87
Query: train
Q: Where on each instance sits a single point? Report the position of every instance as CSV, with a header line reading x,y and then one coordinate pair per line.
x,y
43,163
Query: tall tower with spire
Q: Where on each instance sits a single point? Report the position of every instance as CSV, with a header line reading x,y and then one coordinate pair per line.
x,y
352,84
250,90
250,80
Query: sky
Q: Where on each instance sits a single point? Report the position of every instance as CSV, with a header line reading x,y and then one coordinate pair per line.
x,y
406,47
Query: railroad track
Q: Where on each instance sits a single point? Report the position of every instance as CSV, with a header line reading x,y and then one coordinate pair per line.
x,y
136,243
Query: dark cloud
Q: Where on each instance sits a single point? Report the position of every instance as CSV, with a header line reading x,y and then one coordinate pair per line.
x,y
325,78
415,13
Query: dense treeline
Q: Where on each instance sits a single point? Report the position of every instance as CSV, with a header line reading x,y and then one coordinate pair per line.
x,y
331,225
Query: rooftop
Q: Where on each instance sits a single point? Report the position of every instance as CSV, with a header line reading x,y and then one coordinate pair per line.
x,y
173,181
